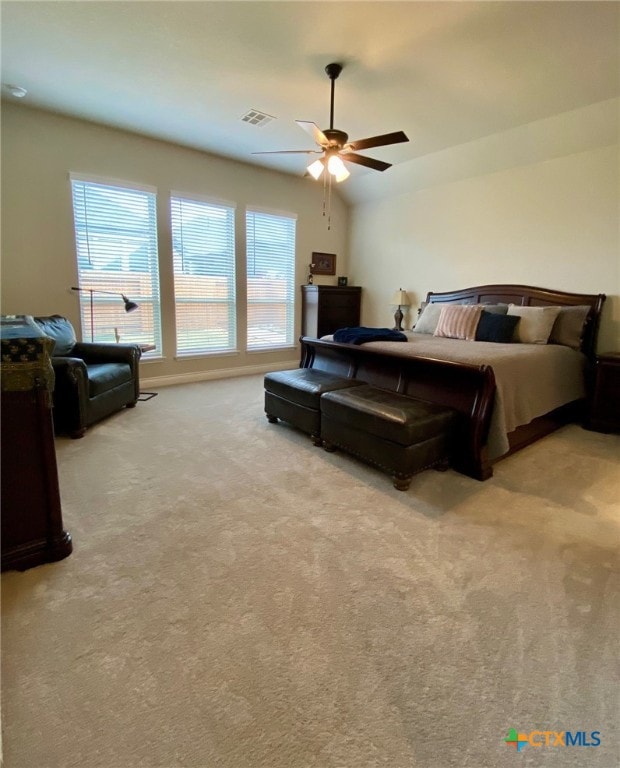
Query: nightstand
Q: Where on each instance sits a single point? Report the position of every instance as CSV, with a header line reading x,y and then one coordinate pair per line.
x,y
604,408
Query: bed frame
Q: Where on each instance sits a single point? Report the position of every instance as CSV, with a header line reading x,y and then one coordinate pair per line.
x,y
469,389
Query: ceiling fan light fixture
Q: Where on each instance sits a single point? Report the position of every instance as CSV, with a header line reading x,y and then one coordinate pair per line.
x,y
335,145
315,169
343,175
337,168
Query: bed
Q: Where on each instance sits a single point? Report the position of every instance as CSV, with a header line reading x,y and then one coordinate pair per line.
x,y
506,395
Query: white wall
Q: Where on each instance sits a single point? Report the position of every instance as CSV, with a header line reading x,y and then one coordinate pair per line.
x,y
40,149
550,222
553,223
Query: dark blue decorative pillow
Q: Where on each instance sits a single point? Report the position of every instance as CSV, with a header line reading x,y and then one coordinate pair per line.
x,y
499,328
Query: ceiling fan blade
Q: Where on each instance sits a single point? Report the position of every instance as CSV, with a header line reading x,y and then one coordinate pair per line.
x,y
378,141
290,152
314,131
369,162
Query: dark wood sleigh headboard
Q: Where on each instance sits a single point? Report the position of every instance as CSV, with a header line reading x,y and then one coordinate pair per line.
x,y
530,296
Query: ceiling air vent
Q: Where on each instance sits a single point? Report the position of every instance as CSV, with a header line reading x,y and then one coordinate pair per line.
x,y
254,117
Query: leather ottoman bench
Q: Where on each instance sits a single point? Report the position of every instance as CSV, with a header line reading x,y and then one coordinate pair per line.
x,y
397,433
294,396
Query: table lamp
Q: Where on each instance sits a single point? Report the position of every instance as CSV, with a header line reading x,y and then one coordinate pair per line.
x,y
400,299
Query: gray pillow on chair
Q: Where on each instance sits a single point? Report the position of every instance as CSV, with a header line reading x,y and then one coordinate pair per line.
x,y
60,330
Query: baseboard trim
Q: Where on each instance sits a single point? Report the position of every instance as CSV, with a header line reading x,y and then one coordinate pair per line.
x,y
221,373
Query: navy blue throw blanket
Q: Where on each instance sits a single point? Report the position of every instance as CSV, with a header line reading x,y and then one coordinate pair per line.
x,y
362,335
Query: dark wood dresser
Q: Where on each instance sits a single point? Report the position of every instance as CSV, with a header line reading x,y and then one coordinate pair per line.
x,y
32,527
325,308
604,409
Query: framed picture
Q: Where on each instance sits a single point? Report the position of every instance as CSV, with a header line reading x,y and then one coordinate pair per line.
x,y
342,281
323,263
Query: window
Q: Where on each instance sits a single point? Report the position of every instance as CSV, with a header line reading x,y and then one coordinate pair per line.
x,y
203,252
271,279
116,243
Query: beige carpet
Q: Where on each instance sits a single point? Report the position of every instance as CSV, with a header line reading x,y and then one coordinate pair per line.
x,y
238,598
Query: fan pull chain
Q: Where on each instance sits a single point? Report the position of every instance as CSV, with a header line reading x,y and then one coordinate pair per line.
x,y
324,191
329,204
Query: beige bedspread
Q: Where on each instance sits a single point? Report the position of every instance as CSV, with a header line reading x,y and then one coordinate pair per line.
x,y
531,379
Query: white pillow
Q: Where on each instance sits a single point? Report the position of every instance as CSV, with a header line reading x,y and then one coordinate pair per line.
x,y
535,324
427,322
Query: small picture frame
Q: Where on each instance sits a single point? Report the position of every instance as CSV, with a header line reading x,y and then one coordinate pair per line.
x,y
342,281
323,263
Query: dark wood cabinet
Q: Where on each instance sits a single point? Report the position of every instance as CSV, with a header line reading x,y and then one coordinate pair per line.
x,y
604,408
325,308
32,527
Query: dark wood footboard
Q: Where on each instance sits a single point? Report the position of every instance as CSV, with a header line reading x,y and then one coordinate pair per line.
x,y
469,389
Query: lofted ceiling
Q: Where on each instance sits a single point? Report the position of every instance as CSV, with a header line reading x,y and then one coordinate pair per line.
x,y
446,73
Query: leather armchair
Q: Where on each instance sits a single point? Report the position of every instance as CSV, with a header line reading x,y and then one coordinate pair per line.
x,y
92,380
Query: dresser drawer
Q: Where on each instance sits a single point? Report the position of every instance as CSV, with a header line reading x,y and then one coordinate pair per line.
x,y
340,301
325,308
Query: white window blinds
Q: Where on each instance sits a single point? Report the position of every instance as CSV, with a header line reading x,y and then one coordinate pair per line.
x,y
116,243
271,279
203,250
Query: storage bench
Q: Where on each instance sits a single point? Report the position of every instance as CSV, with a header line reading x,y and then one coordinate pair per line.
x,y
294,396
397,433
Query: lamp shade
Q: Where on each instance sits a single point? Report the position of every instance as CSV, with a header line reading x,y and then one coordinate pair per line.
x,y
315,169
337,168
130,306
400,298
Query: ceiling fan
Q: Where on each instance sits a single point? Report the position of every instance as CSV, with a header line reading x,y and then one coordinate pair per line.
x,y
335,144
